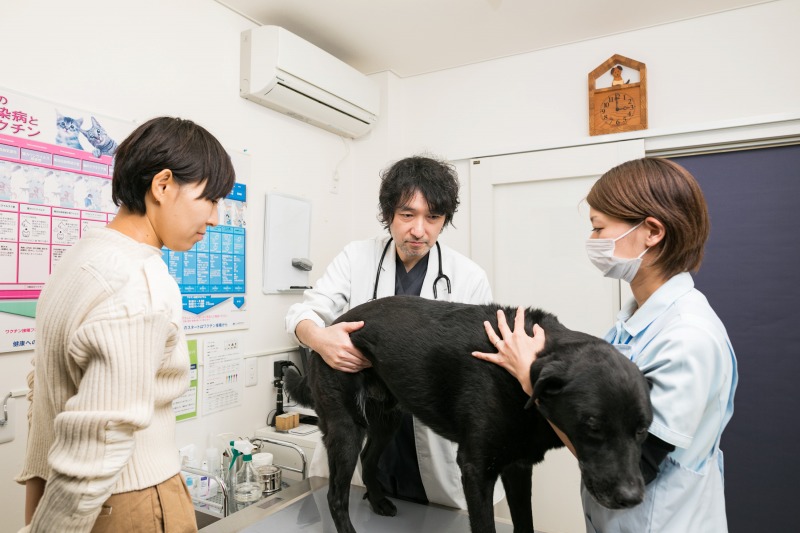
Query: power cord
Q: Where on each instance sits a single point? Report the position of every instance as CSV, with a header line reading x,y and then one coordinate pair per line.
x,y
278,369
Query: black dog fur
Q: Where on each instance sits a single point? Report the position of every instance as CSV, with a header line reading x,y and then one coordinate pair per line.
x,y
421,363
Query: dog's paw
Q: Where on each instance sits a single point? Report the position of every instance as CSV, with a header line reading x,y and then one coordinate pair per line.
x,y
382,506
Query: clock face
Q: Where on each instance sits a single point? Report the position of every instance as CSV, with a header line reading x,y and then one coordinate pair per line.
x,y
617,109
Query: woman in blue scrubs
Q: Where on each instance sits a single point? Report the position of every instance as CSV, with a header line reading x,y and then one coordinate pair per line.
x,y
649,228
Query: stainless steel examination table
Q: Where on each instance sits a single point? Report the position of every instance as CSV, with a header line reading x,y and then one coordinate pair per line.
x,y
303,506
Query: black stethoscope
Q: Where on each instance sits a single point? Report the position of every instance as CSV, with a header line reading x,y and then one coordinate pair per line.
x,y
435,281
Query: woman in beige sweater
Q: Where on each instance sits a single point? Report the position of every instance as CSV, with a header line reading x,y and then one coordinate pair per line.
x,y
110,351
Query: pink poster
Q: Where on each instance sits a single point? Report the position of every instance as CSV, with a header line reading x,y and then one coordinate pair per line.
x,y
56,164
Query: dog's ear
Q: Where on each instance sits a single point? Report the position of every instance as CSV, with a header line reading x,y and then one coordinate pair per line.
x,y
548,379
536,368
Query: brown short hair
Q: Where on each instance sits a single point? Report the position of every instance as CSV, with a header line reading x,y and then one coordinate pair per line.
x,y
666,191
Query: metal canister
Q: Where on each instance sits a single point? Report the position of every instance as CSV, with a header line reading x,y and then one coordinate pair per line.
x,y
270,476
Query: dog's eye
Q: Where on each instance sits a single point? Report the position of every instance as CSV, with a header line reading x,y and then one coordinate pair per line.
x,y
593,427
641,432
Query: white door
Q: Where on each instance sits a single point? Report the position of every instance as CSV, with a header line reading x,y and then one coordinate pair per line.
x,y
528,225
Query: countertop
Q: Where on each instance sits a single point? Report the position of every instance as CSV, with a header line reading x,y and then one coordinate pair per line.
x,y
303,506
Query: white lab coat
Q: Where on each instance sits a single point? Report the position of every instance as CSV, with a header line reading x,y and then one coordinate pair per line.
x,y
349,281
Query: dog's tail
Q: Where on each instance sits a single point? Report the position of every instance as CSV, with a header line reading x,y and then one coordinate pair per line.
x,y
297,387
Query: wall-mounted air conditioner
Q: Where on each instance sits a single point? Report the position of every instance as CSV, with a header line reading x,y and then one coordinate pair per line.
x,y
281,71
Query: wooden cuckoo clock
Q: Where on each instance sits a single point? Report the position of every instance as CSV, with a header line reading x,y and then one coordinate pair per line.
x,y
618,96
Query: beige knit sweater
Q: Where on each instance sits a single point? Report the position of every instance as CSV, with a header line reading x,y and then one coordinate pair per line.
x,y
110,359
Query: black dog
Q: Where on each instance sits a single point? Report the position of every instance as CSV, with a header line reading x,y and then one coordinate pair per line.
x,y
421,363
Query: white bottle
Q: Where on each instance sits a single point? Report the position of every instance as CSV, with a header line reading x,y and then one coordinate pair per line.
x,y
203,488
214,458
190,485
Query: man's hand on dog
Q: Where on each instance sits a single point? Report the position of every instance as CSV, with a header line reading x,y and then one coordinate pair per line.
x,y
333,344
516,351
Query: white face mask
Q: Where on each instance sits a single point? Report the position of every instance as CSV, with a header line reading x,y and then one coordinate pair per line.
x,y
601,254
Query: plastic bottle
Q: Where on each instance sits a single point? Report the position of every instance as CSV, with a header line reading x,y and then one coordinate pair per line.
x,y
248,486
187,459
190,486
202,489
213,459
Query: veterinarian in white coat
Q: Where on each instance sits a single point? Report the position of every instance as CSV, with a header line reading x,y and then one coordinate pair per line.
x,y
418,198
649,227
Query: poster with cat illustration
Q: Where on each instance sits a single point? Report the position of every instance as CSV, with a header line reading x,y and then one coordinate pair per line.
x,y
56,165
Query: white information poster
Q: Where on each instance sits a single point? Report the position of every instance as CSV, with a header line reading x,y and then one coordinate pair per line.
x,y
223,374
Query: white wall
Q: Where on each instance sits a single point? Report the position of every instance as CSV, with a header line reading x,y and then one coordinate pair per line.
x,y
136,60
733,65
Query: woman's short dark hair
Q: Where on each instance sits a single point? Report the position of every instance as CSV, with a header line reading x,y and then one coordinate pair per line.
x,y
437,181
187,149
666,191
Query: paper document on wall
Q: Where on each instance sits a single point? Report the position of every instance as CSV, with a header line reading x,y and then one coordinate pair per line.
x,y
223,374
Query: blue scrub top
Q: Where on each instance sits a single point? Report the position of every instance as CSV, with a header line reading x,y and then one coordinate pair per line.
x,y
681,346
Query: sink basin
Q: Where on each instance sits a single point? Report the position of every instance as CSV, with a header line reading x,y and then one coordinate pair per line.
x,y
205,518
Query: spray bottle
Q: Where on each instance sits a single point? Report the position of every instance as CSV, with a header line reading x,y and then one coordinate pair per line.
x,y
248,486
232,461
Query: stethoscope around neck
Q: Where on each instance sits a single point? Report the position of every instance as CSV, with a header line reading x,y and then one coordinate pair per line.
x,y
435,281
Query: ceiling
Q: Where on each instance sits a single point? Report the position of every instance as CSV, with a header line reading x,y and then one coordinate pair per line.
x,y
410,37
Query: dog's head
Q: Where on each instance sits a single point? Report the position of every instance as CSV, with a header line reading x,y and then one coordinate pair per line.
x,y
601,401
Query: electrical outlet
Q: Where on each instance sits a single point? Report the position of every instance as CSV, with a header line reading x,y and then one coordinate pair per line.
x,y
7,430
251,372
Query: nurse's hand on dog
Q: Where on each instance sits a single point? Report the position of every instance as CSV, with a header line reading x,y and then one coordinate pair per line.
x,y
333,344
516,351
